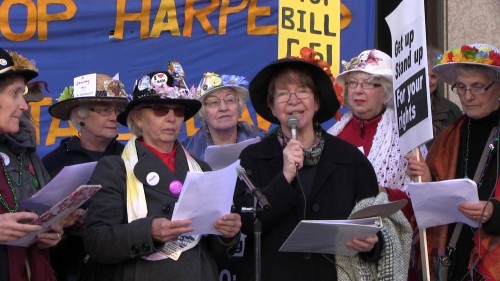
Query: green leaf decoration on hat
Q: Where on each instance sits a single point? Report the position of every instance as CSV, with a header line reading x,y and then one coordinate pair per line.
x,y
67,93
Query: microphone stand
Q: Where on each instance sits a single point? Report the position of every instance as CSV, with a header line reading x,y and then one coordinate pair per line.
x,y
257,231
261,205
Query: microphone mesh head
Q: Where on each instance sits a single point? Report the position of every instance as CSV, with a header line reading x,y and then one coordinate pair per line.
x,y
292,121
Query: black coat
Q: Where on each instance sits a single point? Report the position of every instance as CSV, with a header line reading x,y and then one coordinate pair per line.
x,y
70,152
343,177
67,257
117,246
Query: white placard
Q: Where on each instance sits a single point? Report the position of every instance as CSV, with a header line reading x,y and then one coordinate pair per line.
x,y
411,85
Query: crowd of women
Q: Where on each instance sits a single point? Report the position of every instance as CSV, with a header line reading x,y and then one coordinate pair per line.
x,y
305,172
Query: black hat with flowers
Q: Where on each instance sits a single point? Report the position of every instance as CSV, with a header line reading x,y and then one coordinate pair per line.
x,y
319,70
162,87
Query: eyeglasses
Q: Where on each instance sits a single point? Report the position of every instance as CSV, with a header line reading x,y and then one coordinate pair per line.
x,y
461,89
300,93
215,102
353,84
163,110
106,111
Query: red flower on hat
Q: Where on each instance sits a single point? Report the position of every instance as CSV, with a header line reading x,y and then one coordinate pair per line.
x,y
309,55
468,51
495,57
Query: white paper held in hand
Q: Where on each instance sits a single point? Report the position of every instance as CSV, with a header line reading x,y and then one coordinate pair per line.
x,y
436,203
205,197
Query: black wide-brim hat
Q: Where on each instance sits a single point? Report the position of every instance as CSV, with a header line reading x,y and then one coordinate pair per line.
x,y
21,66
144,94
258,88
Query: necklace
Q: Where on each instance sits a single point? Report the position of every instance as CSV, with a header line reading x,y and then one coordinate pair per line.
x,y
12,188
491,146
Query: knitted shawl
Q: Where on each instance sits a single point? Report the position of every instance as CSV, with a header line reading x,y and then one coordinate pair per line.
x,y
395,256
385,156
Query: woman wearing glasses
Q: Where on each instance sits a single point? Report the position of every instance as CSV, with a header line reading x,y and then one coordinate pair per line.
x,y
222,102
371,124
93,113
128,231
94,116
468,148
313,176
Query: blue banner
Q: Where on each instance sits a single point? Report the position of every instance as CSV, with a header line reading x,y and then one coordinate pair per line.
x,y
71,38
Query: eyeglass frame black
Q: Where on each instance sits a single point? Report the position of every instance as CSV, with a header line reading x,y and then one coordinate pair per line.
x,y
484,89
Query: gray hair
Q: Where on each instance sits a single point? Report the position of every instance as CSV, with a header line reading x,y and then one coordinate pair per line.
x,y
385,84
241,103
80,111
464,69
132,126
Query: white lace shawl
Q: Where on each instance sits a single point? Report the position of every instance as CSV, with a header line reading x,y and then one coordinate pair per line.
x,y
384,154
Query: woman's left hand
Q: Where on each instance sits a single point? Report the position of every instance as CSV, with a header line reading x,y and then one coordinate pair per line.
x,y
228,225
51,237
365,244
474,211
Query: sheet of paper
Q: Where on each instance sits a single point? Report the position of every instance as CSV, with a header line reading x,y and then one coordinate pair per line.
x,y
220,156
205,197
436,203
329,236
57,212
67,181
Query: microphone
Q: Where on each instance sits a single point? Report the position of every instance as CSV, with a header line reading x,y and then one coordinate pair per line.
x,y
261,198
292,122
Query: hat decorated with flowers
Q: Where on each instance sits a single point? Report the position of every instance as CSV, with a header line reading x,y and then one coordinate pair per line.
x,y
472,54
163,87
13,63
320,74
373,62
89,89
212,82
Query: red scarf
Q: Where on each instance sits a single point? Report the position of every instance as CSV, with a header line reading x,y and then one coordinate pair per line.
x,y
167,158
442,162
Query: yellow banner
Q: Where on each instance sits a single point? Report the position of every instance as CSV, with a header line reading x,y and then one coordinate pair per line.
x,y
310,23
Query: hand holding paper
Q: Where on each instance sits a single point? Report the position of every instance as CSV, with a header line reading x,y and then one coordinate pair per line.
x,y
436,203
205,197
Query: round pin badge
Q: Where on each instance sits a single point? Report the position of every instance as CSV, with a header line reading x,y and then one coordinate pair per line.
x,y
6,159
175,187
159,79
3,62
153,178
215,80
